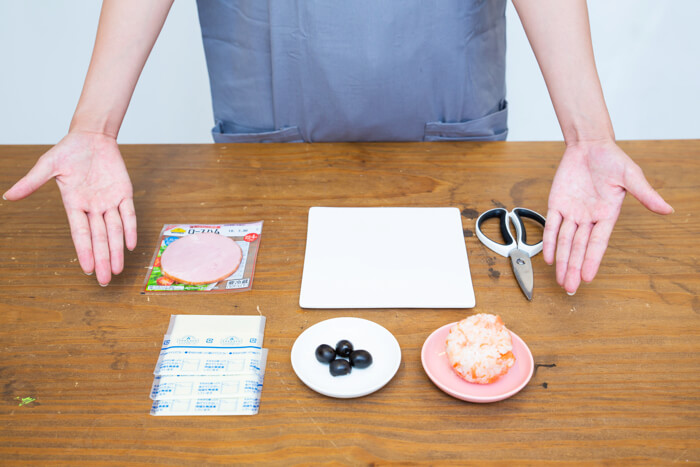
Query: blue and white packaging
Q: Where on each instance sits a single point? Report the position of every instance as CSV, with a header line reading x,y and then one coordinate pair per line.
x,y
210,365
200,387
204,362
236,406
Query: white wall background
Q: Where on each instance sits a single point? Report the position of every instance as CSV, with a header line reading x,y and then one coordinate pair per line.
x,y
648,55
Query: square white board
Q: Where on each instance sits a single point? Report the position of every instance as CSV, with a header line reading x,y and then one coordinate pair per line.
x,y
385,258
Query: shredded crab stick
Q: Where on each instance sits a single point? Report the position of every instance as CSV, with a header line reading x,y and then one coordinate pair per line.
x,y
479,348
201,258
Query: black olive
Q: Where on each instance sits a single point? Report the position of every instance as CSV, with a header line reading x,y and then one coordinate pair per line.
x,y
325,353
340,367
343,348
360,359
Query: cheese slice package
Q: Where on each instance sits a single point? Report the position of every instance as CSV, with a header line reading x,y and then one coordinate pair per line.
x,y
237,406
201,387
210,365
212,345
204,258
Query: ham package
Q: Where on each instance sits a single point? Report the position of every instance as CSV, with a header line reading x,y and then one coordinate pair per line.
x,y
204,258
201,258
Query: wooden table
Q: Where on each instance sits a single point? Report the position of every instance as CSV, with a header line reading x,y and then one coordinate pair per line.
x,y
617,371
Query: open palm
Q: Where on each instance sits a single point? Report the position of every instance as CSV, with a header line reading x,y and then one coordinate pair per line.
x,y
584,204
97,195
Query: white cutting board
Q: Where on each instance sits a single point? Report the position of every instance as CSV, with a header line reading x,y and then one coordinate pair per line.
x,y
385,258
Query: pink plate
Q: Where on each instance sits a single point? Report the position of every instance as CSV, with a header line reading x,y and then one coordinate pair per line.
x,y
440,372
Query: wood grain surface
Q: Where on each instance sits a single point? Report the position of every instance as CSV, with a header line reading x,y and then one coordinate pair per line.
x,y
618,367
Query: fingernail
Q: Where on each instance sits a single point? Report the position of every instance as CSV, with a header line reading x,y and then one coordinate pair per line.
x,y
570,294
3,197
87,273
103,285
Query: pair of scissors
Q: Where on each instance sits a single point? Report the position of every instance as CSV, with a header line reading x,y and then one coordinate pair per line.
x,y
517,249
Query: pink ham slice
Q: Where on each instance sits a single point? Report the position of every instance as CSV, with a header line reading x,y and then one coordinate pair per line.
x,y
201,258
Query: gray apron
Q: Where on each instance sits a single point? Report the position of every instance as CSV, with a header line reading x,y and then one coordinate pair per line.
x,y
356,70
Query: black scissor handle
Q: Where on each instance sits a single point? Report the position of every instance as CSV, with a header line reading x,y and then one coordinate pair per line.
x,y
516,216
501,248
502,214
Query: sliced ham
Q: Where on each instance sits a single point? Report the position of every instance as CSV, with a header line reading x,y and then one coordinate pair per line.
x,y
201,258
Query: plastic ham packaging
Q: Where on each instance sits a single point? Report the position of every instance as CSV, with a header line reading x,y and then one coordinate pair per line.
x,y
204,258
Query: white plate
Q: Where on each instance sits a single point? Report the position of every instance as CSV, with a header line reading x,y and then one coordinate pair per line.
x,y
364,334
385,258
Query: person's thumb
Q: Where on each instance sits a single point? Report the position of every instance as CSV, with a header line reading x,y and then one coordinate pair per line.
x,y
41,173
638,186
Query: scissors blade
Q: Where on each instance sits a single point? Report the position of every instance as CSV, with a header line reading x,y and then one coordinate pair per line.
x,y
522,267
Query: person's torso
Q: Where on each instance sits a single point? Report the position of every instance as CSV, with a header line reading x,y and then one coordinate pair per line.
x,y
356,70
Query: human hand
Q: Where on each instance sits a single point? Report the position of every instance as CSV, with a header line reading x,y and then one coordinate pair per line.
x,y
97,195
584,203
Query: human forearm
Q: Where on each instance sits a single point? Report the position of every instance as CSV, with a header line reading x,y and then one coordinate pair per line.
x,y
125,36
559,33
87,164
594,174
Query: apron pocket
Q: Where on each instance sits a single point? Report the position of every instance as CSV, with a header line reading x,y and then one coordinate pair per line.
x,y
285,135
493,127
